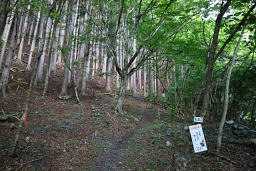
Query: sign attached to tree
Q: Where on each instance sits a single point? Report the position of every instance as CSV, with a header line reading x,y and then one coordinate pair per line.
x,y
197,137
198,119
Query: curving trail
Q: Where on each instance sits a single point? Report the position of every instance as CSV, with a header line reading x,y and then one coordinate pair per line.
x,y
112,159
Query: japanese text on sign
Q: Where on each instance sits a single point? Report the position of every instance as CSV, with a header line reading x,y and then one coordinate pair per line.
x,y
198,119
197,137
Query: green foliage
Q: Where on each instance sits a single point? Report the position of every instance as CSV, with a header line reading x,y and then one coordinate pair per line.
x,y
54,15
152,96
243,87
101,74
1,43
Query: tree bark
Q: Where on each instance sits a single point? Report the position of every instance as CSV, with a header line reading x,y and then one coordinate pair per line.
x,y
3,14
225,108
32,48
8,61
26,111
151,80
85,69
50,58
6,32
211,57
23,33
31,31
68,55
39,74
145,80
120,100
109,67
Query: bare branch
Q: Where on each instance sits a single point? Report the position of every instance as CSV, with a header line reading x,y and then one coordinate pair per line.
x,y
242,22
120,16
156,30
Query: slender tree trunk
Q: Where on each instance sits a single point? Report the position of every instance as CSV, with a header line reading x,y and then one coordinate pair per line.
x,y
21,20
48,71
225,108
24,29
118,49
120,100
8,61
140,79
33,43
145,80
41,29
80,55
104,67
39,74
68,55
211,57
134,78
157,77
26,111
108,76
85,69
30,32
3,13
6,32
151,80
93,57
55,48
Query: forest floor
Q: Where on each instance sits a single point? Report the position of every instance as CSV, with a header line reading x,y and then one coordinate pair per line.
x,y
64,135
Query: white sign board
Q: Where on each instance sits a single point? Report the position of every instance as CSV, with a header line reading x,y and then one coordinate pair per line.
x,y
198,119
197,137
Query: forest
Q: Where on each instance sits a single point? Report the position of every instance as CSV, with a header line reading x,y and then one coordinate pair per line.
x,y
115,84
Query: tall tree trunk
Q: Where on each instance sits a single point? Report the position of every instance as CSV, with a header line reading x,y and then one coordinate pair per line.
x,y
211,57
28,98
139,78
93,57
6,32
108,75
69,53
23,33
123,86
85,69
8,61
40,70
112,43
48,71
134,79
81,49
31,31
145,80
21,20
157,76
26,111
105,58
151,80
3,14
43,21
118,57
33,43
225,108
55,48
